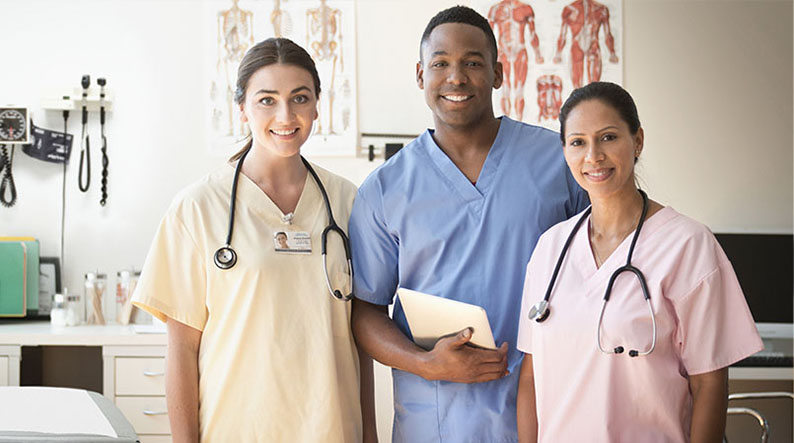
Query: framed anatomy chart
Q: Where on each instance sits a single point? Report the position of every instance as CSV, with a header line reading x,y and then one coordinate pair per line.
x,y
325,28
548,48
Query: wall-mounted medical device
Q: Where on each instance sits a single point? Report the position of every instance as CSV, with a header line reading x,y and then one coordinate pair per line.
x,y
14,125
71,99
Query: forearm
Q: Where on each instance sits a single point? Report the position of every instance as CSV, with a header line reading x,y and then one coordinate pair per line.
x,y
709,406
525,403
182,390
380,338
367,397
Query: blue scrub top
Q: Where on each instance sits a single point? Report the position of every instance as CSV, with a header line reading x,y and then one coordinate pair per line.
x,y
419,223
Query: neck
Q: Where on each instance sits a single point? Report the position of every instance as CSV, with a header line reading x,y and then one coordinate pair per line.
x,y
616,215
273,172
466,141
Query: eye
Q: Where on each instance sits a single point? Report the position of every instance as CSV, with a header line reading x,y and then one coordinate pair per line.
x,y
608,137
267,101
575,142
300,99
473,64
439,64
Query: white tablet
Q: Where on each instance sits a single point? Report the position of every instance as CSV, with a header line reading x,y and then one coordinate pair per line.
x,y
431,318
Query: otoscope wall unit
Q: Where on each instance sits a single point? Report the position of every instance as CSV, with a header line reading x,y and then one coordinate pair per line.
x,y
71,99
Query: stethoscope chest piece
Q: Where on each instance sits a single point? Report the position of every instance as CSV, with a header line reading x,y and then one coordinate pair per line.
x,y
540,311
225,257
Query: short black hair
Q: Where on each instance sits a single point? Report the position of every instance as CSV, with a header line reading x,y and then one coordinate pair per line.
x,y
465,15
608,93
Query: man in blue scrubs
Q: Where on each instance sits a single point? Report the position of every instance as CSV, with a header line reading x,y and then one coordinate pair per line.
x,y
456,213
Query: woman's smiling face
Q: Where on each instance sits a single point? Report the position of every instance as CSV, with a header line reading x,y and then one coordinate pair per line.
x,y
280,108
600,149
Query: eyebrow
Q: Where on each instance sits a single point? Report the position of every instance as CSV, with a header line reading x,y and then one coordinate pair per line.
x,y
600,130
470,53
294,91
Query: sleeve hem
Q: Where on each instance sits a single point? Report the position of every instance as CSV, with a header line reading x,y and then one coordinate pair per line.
x,y
727,361
163,312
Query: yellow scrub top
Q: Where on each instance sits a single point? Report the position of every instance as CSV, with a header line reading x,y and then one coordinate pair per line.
x,y
277,360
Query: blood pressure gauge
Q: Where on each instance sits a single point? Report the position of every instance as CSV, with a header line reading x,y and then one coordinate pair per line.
x,y
14,125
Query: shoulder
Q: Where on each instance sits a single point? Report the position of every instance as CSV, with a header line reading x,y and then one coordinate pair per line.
x,y
533,134
335,184
203,193
397,171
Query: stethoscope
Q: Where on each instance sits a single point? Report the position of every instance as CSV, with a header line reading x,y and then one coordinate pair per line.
x,y
225,257
540,311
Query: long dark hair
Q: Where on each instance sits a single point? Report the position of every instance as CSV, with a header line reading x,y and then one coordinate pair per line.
x,y
609,93
265,53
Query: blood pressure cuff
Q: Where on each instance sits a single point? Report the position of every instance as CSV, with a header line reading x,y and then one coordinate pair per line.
x,y
48,146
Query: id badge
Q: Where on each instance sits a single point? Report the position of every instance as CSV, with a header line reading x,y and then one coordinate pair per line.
x,y
292,242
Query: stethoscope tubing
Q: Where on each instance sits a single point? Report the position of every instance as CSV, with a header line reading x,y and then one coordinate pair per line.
x,y
225,257
541,310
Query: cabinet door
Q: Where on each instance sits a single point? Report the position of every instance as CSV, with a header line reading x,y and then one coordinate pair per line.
x,y
3,371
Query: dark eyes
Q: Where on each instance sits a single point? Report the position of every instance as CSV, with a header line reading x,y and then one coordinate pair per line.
x,y
299,99
604,138
445,64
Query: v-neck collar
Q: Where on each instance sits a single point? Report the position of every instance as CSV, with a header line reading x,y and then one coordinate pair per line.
x,y
256,199
618,257
456,178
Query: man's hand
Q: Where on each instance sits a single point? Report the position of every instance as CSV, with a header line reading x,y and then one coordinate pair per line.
x,y
453,359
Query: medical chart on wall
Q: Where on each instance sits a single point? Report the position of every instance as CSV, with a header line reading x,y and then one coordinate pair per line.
x,y
548,48
324,28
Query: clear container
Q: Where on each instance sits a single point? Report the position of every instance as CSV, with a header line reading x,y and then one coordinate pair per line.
x,y
58,311
126,313
74,309
95,285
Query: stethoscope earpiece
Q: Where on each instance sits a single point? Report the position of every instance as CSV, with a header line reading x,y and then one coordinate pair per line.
x,y
225,257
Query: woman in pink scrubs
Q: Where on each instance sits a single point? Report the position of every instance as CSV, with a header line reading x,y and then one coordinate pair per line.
x,y
639,370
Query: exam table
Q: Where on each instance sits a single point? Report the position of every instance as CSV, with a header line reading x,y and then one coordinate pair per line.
x,y
57,415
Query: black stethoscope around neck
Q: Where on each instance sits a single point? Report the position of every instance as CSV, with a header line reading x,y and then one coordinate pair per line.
x,y
540,311
225,257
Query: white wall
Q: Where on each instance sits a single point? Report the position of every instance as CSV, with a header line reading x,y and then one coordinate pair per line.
x,y
712,79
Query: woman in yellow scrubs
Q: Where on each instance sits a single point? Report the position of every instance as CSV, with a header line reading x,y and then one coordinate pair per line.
x,y
260,351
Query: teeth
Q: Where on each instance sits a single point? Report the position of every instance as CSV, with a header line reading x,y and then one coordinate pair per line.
x,y
597,174
284,131
456,98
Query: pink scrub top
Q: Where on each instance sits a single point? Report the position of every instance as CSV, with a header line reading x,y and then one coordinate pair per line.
x,y
703,324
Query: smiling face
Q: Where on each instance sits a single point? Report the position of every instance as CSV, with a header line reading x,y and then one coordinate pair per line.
x,y
458,75
281,238
600,149
280,107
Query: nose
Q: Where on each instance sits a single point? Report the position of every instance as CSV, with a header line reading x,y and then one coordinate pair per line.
x,y
594,152
284,111
456,75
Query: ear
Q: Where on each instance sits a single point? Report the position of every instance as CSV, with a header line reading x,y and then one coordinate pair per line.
x,y
243,117
420,72
498,71
639,140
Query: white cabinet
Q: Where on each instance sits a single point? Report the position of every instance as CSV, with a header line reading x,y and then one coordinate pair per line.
x,y
134,378
3,371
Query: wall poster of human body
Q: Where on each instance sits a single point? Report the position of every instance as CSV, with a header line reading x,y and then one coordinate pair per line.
x,y
548,48
325,28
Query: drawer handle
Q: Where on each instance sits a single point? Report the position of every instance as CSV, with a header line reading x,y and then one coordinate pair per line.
x,y
153,374
148,412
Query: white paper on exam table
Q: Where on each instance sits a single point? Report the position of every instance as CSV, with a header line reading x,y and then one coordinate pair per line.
x,y
431,317
52,411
